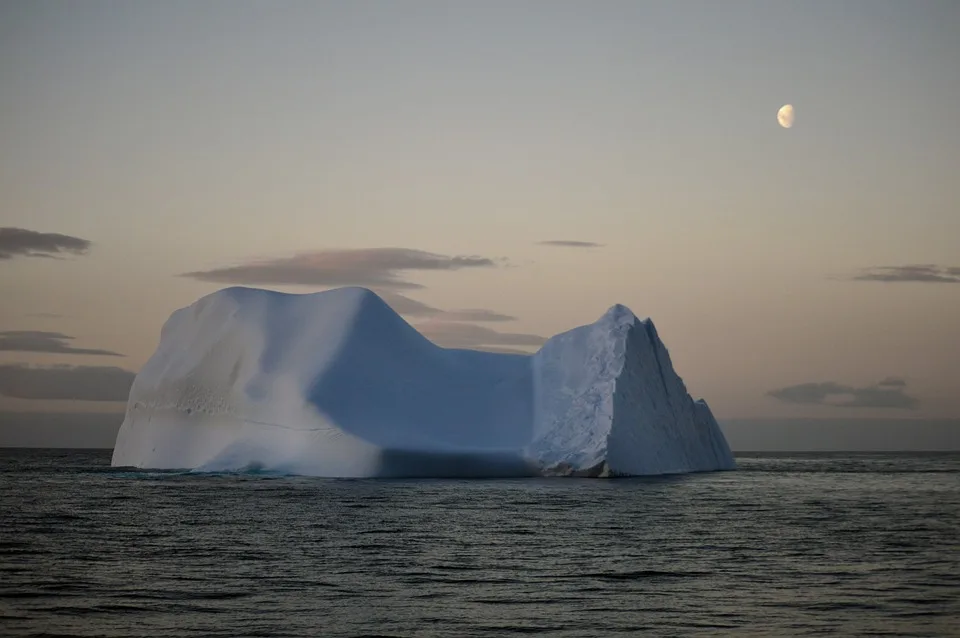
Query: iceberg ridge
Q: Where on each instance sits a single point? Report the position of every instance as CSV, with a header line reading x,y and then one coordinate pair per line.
x,y
337,384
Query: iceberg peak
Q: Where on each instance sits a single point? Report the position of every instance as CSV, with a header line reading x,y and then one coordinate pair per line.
x,y
337,384
619,315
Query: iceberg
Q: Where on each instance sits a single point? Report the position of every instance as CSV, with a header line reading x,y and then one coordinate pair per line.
x,y
337,384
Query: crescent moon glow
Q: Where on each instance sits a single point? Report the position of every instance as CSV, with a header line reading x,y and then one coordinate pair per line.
x,y
785,115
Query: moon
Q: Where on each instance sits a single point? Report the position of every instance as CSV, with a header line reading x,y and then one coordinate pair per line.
x,y
785,115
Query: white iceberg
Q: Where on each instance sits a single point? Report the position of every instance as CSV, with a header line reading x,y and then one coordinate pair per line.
x,y
337,384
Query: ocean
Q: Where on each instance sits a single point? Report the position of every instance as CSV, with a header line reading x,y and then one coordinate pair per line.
x,y
787,545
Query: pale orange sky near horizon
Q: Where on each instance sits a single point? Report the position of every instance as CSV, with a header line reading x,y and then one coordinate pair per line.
x,y
180,137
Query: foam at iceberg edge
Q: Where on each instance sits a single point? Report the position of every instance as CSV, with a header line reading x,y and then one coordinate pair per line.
x,y
337,384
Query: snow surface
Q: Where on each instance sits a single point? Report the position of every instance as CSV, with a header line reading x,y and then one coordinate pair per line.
x,y
337,384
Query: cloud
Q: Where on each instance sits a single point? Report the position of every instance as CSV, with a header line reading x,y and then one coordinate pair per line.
x,y
893,382
499,350
42,341
569,243
370,267
465,335
889,393
412,308
474,314
44,315
76,383
916,273
29,243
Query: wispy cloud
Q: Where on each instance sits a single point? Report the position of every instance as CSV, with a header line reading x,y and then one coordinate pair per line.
x,y
370,267
889,393
412,308
893,382
570,243
64,382
43,341
499,350
916,273
466,335
474,314
20,242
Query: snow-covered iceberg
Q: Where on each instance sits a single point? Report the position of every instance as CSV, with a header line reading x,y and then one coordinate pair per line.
x,y
337,384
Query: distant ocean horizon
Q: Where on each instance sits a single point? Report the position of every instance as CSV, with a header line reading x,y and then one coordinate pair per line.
x,y
98,430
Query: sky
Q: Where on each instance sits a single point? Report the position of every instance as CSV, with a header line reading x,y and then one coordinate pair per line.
x,y
499,172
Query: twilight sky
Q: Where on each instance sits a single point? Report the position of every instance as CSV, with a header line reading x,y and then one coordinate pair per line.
x,y
500,172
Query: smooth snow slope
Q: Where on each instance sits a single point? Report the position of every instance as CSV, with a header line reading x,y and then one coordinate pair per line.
x,y
337,384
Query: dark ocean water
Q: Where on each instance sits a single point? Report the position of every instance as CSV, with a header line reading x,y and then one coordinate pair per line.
x,y
786,545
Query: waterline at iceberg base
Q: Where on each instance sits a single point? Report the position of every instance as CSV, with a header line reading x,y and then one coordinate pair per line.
x,y
337,384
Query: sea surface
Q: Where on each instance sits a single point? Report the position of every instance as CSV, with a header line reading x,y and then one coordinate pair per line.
x,y
787,545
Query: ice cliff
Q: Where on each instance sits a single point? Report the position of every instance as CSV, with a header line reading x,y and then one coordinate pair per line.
x,y
337,384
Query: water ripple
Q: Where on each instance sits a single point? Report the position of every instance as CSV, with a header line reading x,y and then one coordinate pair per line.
x,y
789,545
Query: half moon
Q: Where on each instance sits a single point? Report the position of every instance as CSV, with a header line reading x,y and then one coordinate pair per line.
x,y
785,115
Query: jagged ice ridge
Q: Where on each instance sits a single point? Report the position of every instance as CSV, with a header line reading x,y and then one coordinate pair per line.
x,y
337,384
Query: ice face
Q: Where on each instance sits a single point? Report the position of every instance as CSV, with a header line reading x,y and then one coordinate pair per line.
x,y
337,384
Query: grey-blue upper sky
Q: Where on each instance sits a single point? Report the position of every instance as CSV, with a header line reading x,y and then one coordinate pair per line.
x,y
195,137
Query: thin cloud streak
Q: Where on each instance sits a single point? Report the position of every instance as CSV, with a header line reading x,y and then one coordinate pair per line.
x,y
404,305
570,243
465,335
43,341
21,242
915,273
893,382
889,393
370,267
499,350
